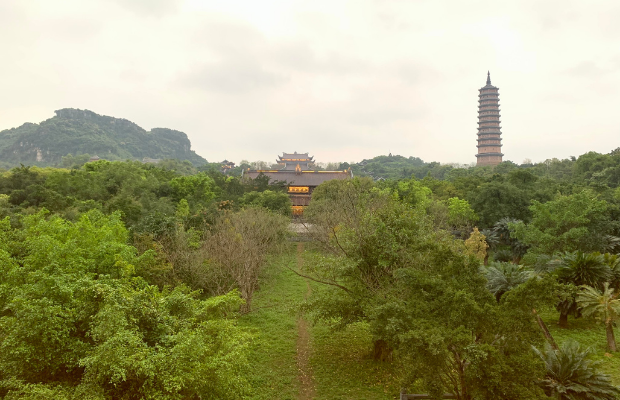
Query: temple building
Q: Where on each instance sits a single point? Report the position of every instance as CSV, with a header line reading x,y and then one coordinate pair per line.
x,y
489,129
226,166
301,179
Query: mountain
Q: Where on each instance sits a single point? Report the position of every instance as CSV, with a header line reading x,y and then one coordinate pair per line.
x,y
74,131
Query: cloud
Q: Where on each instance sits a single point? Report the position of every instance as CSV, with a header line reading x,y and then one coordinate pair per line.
x,y
343,80
300,56
71,28
233,76
588,69
149,8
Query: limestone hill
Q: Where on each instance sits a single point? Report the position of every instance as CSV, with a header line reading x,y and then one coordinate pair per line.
x,y
74,131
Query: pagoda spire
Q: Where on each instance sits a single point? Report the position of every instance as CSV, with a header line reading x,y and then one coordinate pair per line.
x,y
488,77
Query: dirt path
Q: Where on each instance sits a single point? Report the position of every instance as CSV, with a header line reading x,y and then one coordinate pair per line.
x,y
306,380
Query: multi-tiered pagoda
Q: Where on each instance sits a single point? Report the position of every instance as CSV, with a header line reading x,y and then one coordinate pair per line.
x,y
489,130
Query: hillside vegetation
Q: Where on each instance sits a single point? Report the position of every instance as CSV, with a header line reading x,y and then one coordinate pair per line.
x,y
76,132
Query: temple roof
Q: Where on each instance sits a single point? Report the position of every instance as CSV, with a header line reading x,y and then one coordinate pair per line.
x,y
296,156
303,178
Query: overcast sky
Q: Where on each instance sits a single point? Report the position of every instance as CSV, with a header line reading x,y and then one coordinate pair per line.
x,y
344,80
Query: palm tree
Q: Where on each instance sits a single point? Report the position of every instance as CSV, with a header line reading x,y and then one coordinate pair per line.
x,y
501,277
603,306
579,269
502,230
613,261
571,375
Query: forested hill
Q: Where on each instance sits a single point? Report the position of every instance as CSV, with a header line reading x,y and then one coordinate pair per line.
x,y
386,167
74,131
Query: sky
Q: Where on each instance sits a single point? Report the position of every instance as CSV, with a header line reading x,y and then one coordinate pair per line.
x,y
343,80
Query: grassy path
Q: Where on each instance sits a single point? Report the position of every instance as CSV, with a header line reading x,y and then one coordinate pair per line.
x,y
293,360
274,321
304,349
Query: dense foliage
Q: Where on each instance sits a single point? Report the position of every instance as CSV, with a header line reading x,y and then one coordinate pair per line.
x,y
77,321
125,280
111,288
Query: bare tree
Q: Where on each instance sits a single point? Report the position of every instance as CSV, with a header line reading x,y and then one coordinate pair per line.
x,y
238,245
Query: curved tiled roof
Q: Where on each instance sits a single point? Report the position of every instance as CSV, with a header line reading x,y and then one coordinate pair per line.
x,y
303,178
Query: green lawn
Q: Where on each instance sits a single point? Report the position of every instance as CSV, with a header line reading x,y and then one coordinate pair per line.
x,y
589,334
344,369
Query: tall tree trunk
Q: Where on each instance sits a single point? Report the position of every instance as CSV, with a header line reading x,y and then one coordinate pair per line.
x,y
563,320
543,328
382,351
611,339
246,307
463,394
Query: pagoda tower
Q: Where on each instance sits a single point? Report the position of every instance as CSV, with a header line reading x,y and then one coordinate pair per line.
x,y
489,130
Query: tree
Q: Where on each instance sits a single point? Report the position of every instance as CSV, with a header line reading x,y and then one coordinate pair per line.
x,y
496,200
571,375
460,214
196,189
413,192
77,322
502,231
277,202
579,269
502,277
476,245
386,265
603,306
454,337
238,245
565,224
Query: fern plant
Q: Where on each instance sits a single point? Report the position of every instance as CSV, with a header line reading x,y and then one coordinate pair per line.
x,y
501,277
572,375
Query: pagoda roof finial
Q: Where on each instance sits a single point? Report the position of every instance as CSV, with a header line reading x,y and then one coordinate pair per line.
x,y
488,77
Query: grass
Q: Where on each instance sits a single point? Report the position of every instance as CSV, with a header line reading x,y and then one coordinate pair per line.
x,y
344,369
588,334
341,362
273,320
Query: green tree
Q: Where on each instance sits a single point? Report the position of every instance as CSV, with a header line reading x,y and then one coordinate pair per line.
x,y
460,213
567,223
196,189
577,269
496,200
277,202
413,192
502,277
385,264
77,322
447,331
603,306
